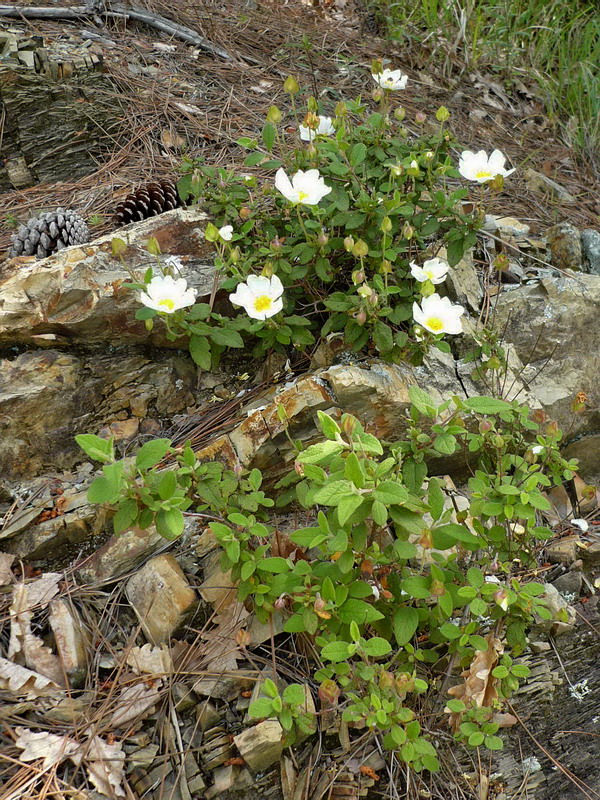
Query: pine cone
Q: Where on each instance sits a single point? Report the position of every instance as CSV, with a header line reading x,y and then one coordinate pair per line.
x,y
147,201
49,232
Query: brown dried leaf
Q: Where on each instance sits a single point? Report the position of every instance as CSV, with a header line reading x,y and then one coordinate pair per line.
x,y
150,659
23,682
479,688
47,746
24,647
135,702
105,764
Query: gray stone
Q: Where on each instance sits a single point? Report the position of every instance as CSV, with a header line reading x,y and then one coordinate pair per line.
x,y
590,250
538,182
261,745
564,241
72,639
161,597
569,584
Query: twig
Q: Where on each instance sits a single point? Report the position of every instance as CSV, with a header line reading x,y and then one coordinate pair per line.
x,y
117,11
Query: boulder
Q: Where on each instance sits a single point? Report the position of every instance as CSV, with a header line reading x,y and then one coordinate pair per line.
x,y
76,296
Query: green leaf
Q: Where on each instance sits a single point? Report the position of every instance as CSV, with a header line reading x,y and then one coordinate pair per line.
x,y
422,401
199,348
475,577
376,647
486,405
358,153
167,485
383,337
294,695
379,513
95,447
354,471
274,565
347,506
458,533
102,491
225,337
358,611
319,452
435,498
416,586
261,708
405,623
475,739
125,516
151,453
493,743
332,493
335,651
268,135
170,523
328,425
445,443
456,705
390,493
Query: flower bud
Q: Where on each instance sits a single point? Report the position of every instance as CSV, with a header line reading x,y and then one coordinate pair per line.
x,y
501,599
498,441
399,113
149,324
340,109
238,470
281,601
437,588
426,540
408,231
578,404
274,115
397,170
319,607
360,249
312,104
299,468
311,150
358,276
348,424
420,117
386,267
322,239
329,692
291,85
267,269
386,224
552,428
245,212
276,244
485,426
429,155
373,299
361,318
365,290
311,120
442,114
234,255
378,94
404,683
386,680
349,243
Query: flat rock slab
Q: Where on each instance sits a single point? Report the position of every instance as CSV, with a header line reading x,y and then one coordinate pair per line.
x,y
76,296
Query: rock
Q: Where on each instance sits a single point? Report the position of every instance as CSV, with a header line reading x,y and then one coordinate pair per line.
x,y
72,640
207,715
538,182
564,551
512,227
229,777
553,326
586,449
77,293
226,687
49,396
563,615
463,282
261,745
183,697
161,597
590,250
70,710
120,554
564,241
569,584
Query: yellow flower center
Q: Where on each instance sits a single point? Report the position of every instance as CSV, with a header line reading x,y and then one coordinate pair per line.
x,y
484,174
302,196
434,324
429,273
263,303
167,304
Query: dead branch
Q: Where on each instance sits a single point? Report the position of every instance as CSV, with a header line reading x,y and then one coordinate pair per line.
x,y
116,10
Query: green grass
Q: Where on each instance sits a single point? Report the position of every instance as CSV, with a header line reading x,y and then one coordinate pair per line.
x,y
555,42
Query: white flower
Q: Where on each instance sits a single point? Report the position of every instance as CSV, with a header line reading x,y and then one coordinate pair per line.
x,y
226,232
392,79
168,294
478,167
414,164
537,449
260,296
434,270
307,188
438,315
582,524
325,128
